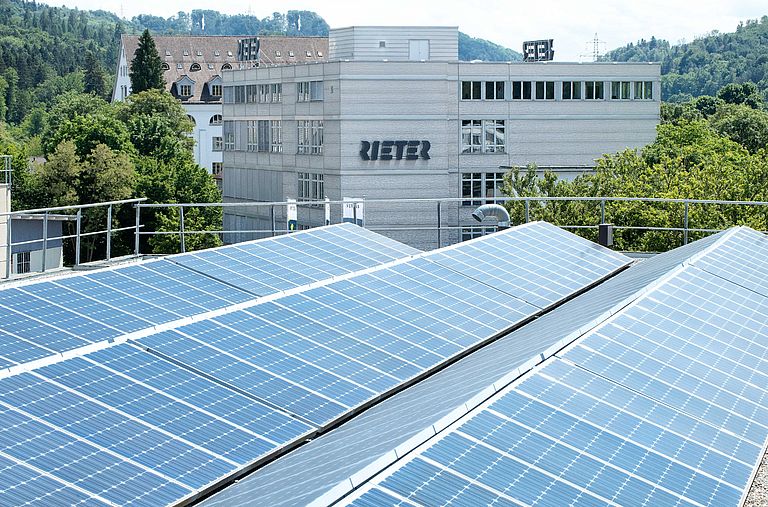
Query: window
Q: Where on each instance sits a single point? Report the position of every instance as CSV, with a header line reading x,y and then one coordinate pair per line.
x,y
311,187
185,90
482,136
593,90
290,54
179,66
545,90
571,90
216,119
620,90
309,90
199,53
165,66
481,188
210,66
216,90
191,119
382,43
240,94
217,53
310,138
194,67
23,262
276,136
471,90
186,53
277,92
309,54
264,94
494,90
277,54
252,93
644,90
521,90
226,66
229,94
167,52
229,53
320,54
229,135
217,168
218,143
252,140
468,233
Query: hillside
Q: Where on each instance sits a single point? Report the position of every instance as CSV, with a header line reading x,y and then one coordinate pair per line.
x,y
708,63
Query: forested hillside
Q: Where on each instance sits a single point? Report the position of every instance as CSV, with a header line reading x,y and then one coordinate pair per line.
x,y
707,64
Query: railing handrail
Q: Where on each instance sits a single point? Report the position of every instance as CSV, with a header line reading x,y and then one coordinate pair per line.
x,y
73,206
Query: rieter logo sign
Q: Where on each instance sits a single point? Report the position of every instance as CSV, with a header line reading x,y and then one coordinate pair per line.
x,y
394,150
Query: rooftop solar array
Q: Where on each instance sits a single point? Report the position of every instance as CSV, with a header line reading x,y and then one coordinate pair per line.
x,y
160,417
662,404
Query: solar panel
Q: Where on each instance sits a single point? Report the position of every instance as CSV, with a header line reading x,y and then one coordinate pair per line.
x,y
739,259
267,266
662,405
538,261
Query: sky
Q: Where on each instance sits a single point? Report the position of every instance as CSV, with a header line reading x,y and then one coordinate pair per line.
x,y
572,24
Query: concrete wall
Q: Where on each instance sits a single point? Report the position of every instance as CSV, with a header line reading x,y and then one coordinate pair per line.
x,y
392,43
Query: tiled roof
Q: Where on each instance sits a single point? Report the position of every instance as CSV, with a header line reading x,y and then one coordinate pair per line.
x,y
212,53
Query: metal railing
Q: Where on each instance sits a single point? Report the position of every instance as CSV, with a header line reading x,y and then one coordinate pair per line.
x,y
431,223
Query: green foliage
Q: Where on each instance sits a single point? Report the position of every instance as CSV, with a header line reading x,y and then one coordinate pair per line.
x,y
91,130
146,70
94,80
471,48
743,93
707,64
742,124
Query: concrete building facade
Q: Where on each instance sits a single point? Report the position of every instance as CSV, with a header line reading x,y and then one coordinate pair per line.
x,y
394,114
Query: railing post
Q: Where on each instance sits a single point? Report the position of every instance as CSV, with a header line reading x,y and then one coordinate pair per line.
x,y
272,217
602,211
78,225
137,236
109,233
45,240
439,230
181,229
685,224
9,258
527,210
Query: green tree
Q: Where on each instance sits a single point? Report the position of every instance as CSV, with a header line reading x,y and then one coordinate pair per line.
x,y
743,124
68,107
146,70
745,93
95,81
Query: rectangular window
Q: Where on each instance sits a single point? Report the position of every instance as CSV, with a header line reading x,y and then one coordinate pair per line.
x,y
482,136
643,90
252,93
263,136
494,90
277,92
229,94
471,90
240,94
229,135
264,94
593,90
216,90
185,90
571,90
217,168
481,188
521,90
252,143
23,262
276,136
310,137
309,90
311,187
468,233
218,143
620,90
545,90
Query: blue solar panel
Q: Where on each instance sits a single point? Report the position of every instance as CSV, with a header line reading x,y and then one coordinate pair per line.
x,y
740,259
538,262
267,266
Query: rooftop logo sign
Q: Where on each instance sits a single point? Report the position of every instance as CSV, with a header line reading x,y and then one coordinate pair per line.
x,y
394,150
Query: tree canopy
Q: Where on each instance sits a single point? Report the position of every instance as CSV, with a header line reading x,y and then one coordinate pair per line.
x,y
146,71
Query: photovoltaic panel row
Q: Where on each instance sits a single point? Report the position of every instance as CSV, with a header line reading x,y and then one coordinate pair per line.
x,y
268,266
664,405
123,426
537,261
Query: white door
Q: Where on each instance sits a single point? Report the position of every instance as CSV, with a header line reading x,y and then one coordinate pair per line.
x,y
418,50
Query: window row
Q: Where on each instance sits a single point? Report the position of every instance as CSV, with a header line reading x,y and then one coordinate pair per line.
x,y
266,136
482,136
311,187
546,90
306,91
481,188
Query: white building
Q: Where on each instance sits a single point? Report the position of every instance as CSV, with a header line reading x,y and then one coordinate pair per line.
x,y
193,69
394,114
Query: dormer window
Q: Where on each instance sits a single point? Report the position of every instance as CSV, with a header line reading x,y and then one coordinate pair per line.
x,y
179,66
194,67
185,90
210,66
199,53
226,66
277,54
290,54
229,53
217,53
167,53
320,54
165,66
309,54
186,53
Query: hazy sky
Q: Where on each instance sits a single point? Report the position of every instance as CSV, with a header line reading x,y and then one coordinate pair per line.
x,y
507,22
